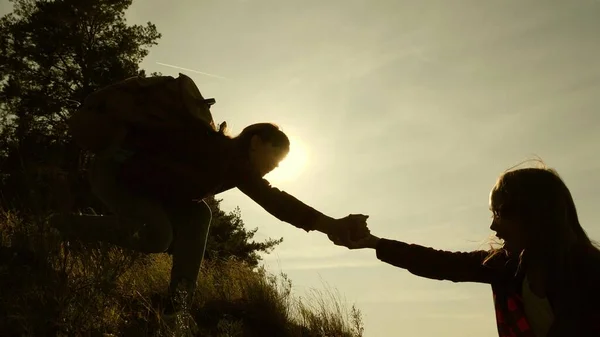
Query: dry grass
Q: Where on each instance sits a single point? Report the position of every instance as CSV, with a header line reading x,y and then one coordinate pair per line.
x,y
70,289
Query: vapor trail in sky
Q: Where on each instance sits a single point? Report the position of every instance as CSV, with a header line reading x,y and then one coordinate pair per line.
x,y
192,70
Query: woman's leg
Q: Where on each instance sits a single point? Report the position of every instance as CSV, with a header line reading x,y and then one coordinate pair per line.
x,y
138,223
191,224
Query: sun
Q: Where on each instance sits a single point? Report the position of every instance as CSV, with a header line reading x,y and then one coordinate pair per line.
x,y
294,163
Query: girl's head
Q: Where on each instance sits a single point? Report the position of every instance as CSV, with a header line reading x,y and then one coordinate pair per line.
x,y
265,144
534,212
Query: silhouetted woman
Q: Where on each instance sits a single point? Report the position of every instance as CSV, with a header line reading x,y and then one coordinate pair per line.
x,y
155,181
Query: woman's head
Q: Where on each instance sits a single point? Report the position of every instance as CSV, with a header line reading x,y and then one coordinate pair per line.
x,y
265,144
533,211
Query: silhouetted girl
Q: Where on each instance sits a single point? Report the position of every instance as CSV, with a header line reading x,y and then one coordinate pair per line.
x,y
545,278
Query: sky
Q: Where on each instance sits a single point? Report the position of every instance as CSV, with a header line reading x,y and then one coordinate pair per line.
x,y
403,110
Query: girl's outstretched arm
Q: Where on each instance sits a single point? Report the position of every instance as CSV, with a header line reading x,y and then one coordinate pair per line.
x,y
437,264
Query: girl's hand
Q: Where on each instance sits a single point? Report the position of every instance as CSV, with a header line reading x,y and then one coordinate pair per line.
x,y
369,241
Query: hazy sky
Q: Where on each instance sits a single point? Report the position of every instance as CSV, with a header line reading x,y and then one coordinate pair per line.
x,y
403,110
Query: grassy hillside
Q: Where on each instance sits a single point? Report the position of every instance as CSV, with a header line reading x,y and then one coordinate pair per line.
x,y
49,288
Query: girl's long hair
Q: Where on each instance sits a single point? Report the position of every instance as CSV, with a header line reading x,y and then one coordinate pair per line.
x,y
543,204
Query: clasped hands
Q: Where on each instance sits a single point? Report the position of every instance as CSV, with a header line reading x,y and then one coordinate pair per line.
x,y
351,231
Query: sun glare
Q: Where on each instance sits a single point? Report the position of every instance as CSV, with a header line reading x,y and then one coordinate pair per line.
x,y
294,163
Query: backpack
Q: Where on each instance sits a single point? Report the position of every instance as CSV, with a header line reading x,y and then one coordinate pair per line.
x,y
143,103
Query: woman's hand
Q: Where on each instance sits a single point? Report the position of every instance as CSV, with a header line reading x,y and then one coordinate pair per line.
x,y
351,232
345,230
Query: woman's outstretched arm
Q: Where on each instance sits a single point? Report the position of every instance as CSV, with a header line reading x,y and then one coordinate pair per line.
x,y
287,208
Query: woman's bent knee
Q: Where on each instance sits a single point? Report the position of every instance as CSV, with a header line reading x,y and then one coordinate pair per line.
x,y
203,212
194,222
